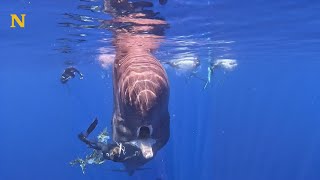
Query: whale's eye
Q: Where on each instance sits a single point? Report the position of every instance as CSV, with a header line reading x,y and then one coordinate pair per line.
x,y
144,132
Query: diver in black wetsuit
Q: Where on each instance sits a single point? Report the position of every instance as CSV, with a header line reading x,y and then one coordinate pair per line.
x,y
117,152
69,73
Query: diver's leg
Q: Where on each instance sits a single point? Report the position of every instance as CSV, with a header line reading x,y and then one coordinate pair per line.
x,y
210,71
80,74
84,135
88,142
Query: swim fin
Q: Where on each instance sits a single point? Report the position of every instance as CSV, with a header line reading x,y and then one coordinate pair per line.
x,y
92,126
83,136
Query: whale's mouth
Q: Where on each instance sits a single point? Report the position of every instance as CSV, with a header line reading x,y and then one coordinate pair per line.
x,y
144,132
144,141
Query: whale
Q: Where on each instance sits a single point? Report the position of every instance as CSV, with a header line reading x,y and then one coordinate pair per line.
x,y
140,112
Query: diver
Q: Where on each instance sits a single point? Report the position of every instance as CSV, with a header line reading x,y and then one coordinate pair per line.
x,y
124,152
210,71
70,73
186,64
117,152
227,64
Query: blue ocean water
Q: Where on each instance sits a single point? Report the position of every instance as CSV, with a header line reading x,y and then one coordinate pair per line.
x,y
260,121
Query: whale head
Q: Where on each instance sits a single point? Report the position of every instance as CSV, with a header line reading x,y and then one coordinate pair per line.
x,y
141,95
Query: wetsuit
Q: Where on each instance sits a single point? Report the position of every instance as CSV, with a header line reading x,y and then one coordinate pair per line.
x,y
69,73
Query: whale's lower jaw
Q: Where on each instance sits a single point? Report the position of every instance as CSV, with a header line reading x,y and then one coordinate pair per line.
x,y
145,145
144,131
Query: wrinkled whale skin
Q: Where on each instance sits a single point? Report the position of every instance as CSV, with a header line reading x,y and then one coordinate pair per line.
x,y
141,95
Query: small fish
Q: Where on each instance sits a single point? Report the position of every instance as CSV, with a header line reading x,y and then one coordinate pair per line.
x,y
69,73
